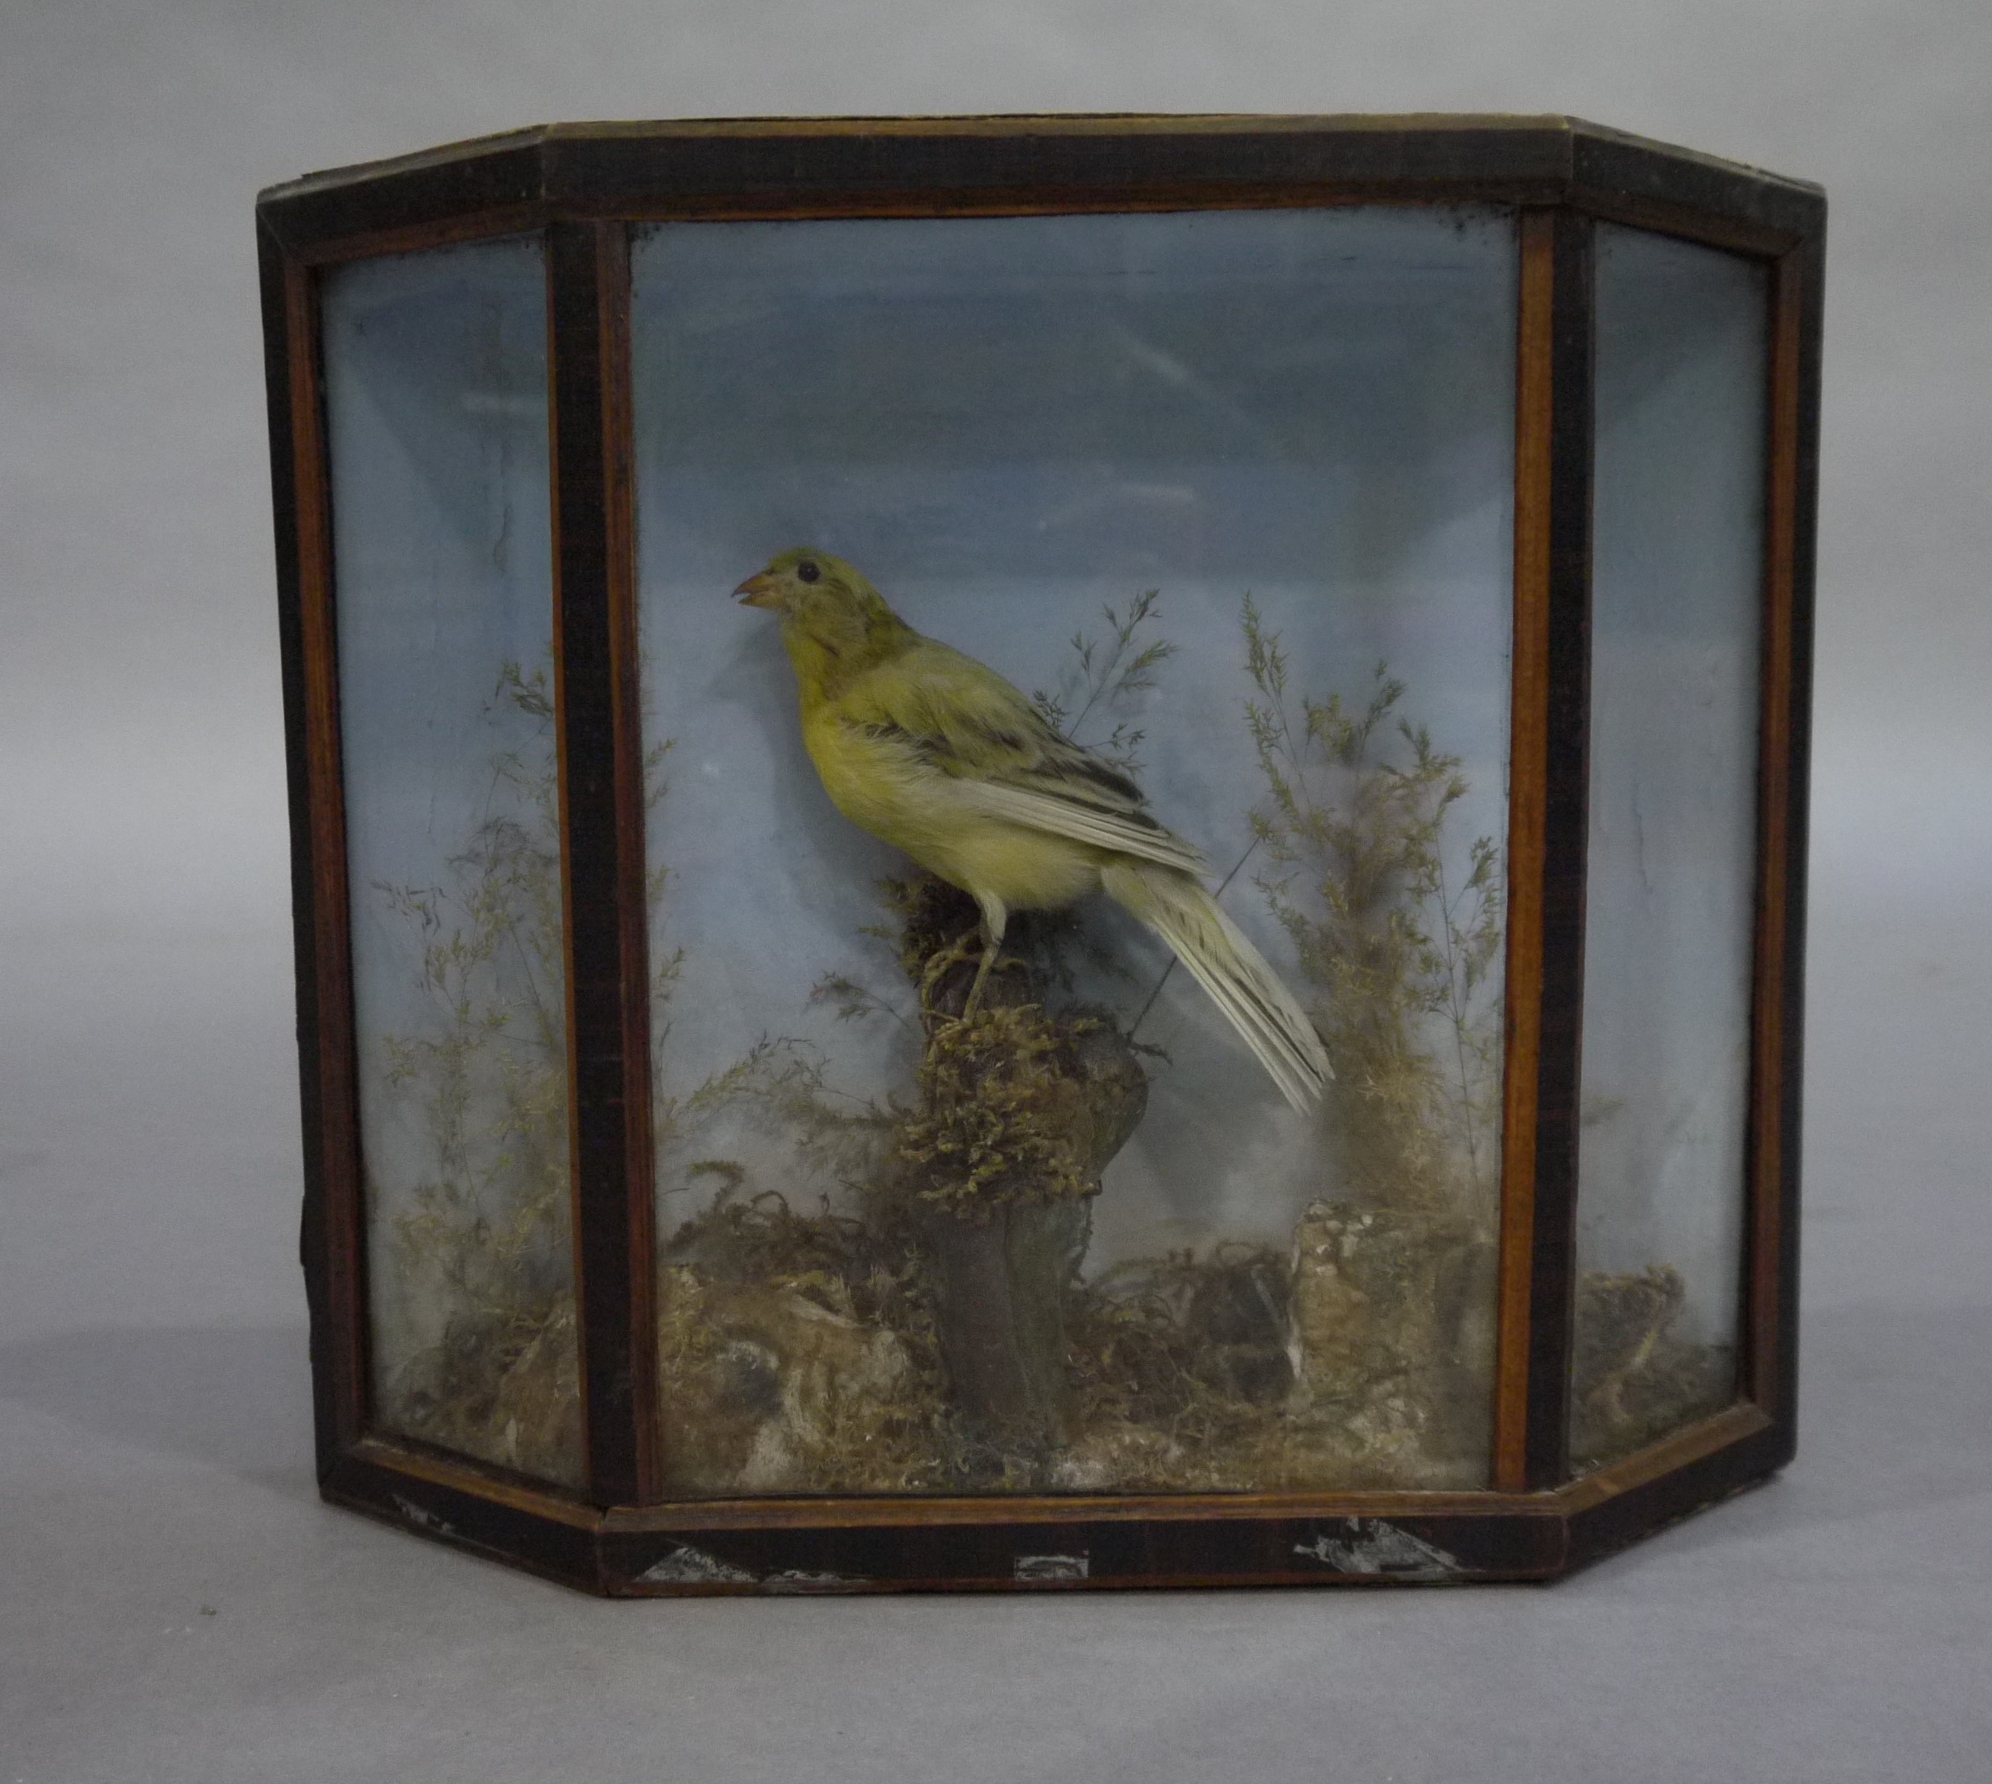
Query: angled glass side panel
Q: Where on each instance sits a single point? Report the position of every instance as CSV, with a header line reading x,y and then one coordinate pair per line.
x,y
1676,618
436,412
1213,506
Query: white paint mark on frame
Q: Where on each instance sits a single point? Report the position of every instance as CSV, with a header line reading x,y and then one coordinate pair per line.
x,y
689,1566
1038,1568
1373,1547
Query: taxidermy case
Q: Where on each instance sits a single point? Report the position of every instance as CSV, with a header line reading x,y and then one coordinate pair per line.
x,y
1417,512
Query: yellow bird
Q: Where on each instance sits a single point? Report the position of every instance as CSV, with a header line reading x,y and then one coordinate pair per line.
x,y
939,756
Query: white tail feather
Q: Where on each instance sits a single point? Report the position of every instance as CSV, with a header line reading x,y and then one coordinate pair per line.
x,y
1241,984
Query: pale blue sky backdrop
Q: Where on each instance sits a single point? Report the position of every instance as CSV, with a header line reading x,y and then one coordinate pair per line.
x,y
1007,424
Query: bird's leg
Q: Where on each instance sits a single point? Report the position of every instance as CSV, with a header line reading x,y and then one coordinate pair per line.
x,y
940,965
995,918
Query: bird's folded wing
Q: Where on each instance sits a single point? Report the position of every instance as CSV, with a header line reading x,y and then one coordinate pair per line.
x,y
1128,832
959,717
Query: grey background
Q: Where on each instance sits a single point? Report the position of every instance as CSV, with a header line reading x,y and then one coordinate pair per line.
x,y
153,1441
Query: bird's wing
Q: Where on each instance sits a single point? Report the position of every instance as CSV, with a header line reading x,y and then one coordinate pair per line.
x,y
1063,813
965,721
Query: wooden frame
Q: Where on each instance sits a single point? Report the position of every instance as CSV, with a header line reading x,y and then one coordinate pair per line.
x,y
582,187
601,789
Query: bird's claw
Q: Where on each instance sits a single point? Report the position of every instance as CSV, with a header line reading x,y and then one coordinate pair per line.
x,y
938,966
958,954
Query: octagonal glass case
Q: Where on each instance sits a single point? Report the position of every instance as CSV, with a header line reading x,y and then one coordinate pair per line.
x,y
1047,852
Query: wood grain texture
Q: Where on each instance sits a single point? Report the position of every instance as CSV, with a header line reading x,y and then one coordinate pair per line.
x,y
333,1233
886,1510
775,167
784,1547
1692,1443
1694,1469
1548,830
1766,1137
1082,1553
537,1533
1770,1315
598,694
1565,844
1528,748
278,348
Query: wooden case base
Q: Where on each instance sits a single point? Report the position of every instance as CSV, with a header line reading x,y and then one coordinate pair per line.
x,y
789,1546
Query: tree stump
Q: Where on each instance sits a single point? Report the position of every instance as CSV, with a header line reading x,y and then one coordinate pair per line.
x,y
1019,1112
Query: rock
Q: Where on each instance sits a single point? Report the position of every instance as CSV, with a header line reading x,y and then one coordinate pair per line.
x,y
1632,1379
1381,1299
537,1412
785,1393
504,1387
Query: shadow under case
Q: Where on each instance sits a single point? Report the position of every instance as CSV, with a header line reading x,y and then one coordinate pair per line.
x,y
1419,512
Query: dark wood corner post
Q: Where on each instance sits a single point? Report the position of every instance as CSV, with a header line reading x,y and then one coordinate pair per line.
x,y
1548,825
1770,1312
601,788
332,1234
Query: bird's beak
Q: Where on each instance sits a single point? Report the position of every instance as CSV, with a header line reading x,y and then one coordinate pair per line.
x,y
760,591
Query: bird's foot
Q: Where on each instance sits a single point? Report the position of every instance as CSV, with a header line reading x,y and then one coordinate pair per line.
x,y
940,964
990,950
973,944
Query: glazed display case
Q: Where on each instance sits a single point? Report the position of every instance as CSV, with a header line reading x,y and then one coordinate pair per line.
x,y
1047,852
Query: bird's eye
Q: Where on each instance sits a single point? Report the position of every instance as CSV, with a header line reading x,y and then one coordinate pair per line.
x,y
807,571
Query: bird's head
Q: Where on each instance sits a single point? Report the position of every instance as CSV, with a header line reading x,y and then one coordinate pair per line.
x,y
824,601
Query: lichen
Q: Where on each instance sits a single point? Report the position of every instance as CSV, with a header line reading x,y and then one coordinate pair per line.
x,y
795,1354
1013,1102
1355,1355
976,1356
1633,1379
904,1305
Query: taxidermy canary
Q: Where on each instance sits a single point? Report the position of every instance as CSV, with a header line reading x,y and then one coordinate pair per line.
x,y
934,753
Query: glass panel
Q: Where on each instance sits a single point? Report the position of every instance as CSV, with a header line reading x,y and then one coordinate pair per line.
x,y
1226,500
436,405
1675,600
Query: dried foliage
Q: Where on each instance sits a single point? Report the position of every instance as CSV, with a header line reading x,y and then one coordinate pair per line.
x,y
929,1327
1244,1369
1406,962
1189,1350
484,1233
1107,673
979,1357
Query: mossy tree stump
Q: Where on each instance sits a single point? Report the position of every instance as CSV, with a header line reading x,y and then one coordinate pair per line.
x,y
1019,1111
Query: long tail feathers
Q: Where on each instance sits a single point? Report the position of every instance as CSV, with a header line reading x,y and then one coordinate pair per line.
x,y
1241,984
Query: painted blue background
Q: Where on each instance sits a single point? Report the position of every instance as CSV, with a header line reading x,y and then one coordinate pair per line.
x,y
1007,423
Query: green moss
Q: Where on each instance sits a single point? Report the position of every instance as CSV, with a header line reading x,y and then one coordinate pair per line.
x,y
980,1357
